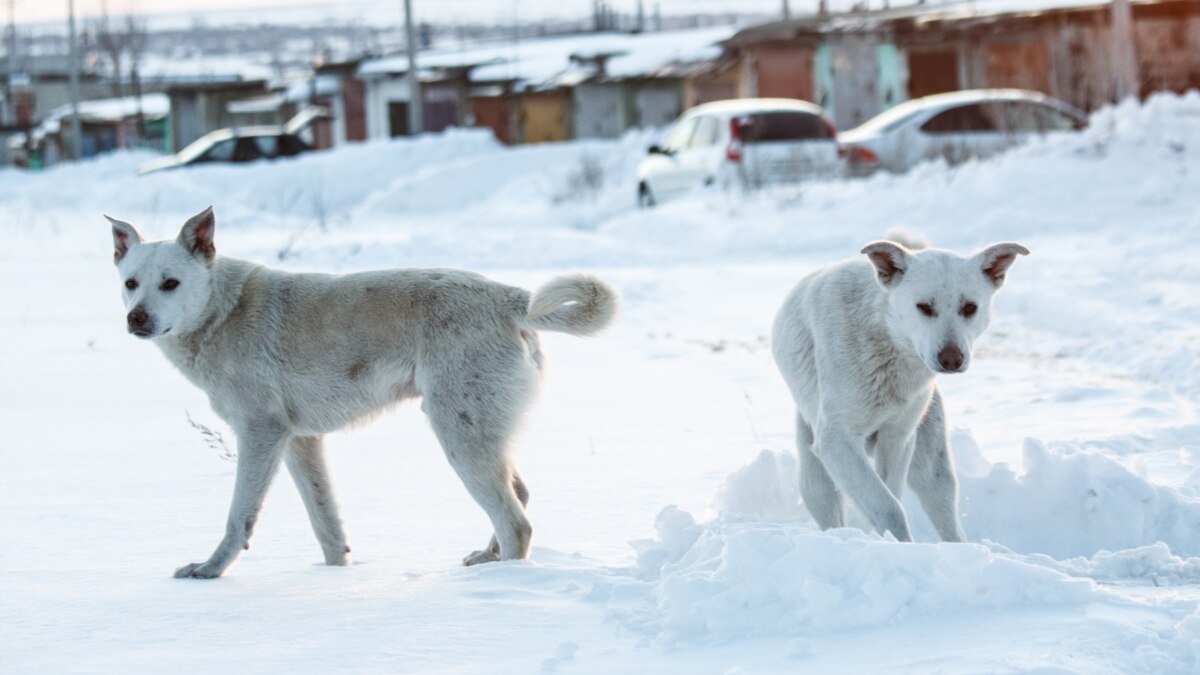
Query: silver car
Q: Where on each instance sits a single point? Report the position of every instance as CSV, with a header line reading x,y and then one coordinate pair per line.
x,y
747,142
956,127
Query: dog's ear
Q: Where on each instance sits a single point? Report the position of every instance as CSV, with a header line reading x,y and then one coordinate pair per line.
x,y
125,236
890,260
997,258
197,235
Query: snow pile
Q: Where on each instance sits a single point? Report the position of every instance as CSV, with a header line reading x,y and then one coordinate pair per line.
x,y
764,579
1074,503
759,569
766,490
1154,564
1063,503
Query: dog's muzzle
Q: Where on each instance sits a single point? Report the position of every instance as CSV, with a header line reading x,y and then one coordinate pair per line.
x,y
140,323
950,359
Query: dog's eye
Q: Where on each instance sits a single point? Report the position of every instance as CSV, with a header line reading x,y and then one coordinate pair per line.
x,y
131,284
968,309
170,285
926,309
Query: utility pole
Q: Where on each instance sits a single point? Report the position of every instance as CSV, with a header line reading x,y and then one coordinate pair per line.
x,y
787,11
10,62
1124,60
415,124
73,70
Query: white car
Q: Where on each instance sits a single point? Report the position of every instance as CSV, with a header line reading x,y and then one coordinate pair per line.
x,y
955,126
746,142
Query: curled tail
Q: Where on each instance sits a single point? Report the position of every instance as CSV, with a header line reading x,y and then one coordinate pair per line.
x,y
910,240
576,304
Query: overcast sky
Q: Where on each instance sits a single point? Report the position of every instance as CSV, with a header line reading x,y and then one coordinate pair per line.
x,y
434,10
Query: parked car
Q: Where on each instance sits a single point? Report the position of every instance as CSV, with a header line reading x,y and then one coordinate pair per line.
x,y
244,144
746,142
955,126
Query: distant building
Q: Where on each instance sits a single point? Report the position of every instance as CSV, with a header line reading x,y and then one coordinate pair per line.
x,y
856,65
107,125
594,85
200,107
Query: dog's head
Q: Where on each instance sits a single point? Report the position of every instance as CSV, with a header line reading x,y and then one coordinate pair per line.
x,y
938,301
165,284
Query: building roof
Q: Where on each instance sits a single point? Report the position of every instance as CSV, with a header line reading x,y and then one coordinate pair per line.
x,y
953,11
535,62
112,110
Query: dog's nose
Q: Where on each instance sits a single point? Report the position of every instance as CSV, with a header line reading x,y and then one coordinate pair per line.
x,y
138,317
950,358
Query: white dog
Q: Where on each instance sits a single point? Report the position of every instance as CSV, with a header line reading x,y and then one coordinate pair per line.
x,y
861,344
286,358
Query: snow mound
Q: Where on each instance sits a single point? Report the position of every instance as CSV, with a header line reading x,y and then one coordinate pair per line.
x,y
1070,502
741,580
1064,502
1153,564
767,489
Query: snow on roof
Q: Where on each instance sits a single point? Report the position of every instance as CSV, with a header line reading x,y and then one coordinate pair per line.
x,y
105,110
202,68
843,15
543,59
116,109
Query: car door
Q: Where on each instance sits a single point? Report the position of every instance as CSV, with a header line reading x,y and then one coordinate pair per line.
x,y
700,158
960,133
664,173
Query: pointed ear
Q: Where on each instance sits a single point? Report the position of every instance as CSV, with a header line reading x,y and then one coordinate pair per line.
x,y
125,236
890,260
997,258
197,235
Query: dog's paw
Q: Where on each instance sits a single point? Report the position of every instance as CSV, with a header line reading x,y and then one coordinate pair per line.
x,y
339,558
480,557
204,570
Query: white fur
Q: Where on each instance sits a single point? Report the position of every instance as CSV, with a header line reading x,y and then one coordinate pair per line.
x,y
286,358
861,360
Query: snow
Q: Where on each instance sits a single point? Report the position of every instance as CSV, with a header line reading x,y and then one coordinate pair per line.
x,y
668,533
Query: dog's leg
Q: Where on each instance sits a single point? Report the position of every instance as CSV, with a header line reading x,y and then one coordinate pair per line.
x,y
305,459
475,440
893,455
932,475
820,495
259,450
491,552
845,459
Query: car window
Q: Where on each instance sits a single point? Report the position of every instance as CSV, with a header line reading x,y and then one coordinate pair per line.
x,y
680,135
1017,117
783,126
708,129
221,152
247,150
291,145
1052,119
268,146
971,118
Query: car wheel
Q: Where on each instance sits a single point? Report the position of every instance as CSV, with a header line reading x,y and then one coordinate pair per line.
x,y
645,197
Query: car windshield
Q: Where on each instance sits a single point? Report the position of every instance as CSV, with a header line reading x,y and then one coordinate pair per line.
x,y
200,145
888,119
782,125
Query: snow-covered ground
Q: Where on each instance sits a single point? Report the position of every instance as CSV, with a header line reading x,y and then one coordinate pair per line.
x,y
668,533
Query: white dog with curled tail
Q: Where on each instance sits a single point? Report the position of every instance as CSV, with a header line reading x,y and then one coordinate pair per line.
x,y
287,358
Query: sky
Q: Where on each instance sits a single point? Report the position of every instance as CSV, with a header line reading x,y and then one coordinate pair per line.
x,y
27,11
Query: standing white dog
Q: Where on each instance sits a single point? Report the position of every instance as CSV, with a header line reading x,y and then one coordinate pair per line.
x,y
286,358
860,345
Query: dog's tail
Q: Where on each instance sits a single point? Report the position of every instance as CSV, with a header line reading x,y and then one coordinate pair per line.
x,y
576,304
909,240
